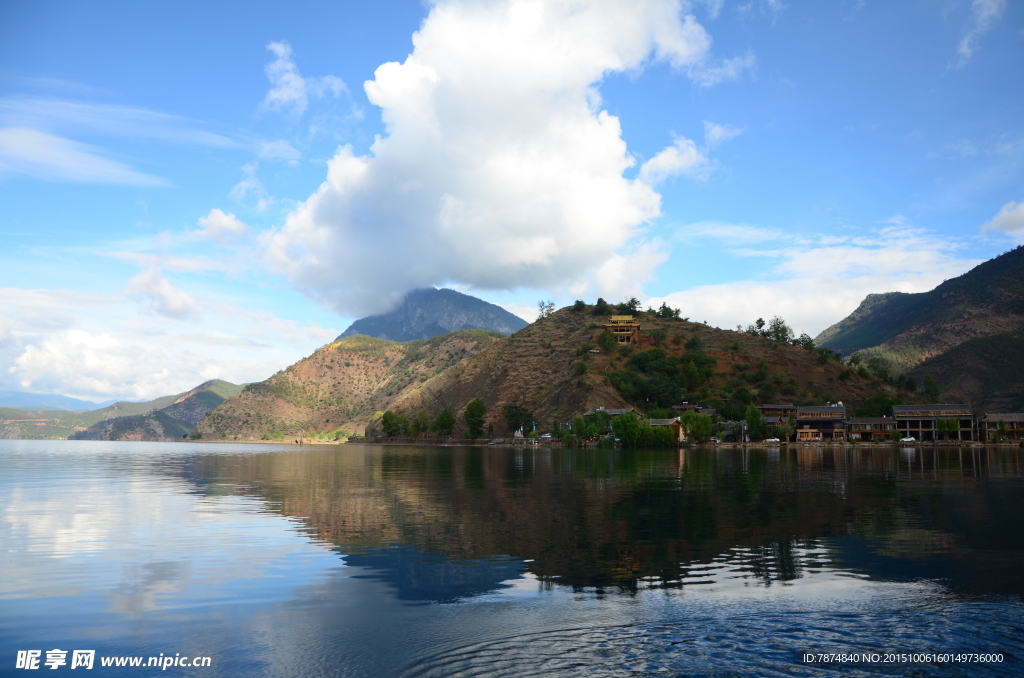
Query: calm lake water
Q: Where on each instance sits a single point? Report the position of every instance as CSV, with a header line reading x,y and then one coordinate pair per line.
x,y
424,561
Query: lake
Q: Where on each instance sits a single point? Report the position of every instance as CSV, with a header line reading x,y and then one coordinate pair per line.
x,y
358,560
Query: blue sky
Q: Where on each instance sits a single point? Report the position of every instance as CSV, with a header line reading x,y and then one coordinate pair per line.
x,y
191,192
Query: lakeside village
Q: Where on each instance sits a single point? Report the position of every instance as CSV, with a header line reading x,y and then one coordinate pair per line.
x,y
771,424
766,423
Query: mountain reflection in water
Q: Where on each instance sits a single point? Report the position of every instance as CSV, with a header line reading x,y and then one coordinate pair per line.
x,y
429,561
443,522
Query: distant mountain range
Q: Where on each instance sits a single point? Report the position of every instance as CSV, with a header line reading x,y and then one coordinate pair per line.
x,y
166,418
47,401
428,313
968,333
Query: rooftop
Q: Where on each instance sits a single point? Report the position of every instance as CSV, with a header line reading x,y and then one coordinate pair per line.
x,y
612,412
929,410
1005,416
827,409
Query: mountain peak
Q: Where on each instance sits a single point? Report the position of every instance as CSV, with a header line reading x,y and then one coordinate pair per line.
x,y
428,312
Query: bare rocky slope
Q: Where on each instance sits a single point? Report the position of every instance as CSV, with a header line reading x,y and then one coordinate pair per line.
x,y
338,389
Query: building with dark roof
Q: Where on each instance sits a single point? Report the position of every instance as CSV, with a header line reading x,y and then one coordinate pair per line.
x,y
821,424
677,428
611,412
1013,422
868,429
921,421
784,411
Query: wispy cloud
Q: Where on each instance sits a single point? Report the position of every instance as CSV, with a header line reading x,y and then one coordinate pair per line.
x,y
251,187
709,72
60,116
289,90
169,263
715,134
984,14
732,234
52,158
822,281
278,149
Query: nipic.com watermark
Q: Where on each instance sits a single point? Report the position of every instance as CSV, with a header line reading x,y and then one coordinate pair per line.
x,y
86,659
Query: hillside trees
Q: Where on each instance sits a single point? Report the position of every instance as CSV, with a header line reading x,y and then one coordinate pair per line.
x,y
633,432
474,418
444,424
517,417
629,307
607,341
650,379
421,424
931,389
878,406
698,426
394,424
947,427
627,430
777,330
756,426
665,311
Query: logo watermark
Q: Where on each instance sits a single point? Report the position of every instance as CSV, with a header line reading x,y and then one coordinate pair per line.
x,y
85,659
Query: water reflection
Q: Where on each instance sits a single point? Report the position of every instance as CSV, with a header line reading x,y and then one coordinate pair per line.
x,y
371,561
629,520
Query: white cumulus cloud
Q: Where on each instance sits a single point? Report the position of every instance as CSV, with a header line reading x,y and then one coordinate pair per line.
x,y
499,168
221,228
97,346
1009,219
682,157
